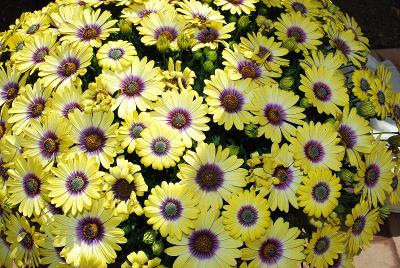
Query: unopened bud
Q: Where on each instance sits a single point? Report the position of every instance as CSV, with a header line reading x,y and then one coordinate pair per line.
x,y
243,22
384,211
157,247
216,139
346,175
232,18
262,11
125,27
233,149
212,55
149,237
184,41
304,103
198,55
208,66
251,130
290,43
286,82
260,20
162,43
366,109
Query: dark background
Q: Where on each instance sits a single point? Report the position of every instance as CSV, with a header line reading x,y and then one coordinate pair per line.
x,y
379,19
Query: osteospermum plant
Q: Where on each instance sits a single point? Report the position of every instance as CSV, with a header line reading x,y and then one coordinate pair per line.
x,y
194,133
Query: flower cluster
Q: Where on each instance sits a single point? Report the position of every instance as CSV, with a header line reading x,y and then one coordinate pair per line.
x,y
163,133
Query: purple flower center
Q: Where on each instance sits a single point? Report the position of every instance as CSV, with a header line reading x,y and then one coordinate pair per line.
x,y
171,209
297,33
358,225
322,245
10,91
321,192
36,107
207,35
77,182
338,262
49,144
160,146
39,54
372,174
314,151
231,100
285,176
68,67
90,230
299,7
271,251
27,241
247,215
132,86
169,32
364,85
342,46
32,185
275,114
145,12
209,177
202,17
262,51
249,69
33,28
3,170
381,97
116,53
179,118
348,136
203,244
322,91
89,32
136,129
235,2
92,140
122,189
395,183
55,210
70,107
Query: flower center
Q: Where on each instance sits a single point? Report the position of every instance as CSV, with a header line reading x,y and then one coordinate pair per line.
x,y
262,51
122,189
231,100
297,33
207,35
32,185
171,209
10,91
314,151
275,114
249,69
271,251
27,241
169,32
235,2
364,85
209,177
36,108
136,129
358,226
299,7
39,55
89,32
203,244
284,175
77,182
90,230
322,91
342,46
93,142
132,87
116,53
247,216
33,28
320,192
68,68
381,97
160,146
69,108
372,174
348,136
322,245
179,118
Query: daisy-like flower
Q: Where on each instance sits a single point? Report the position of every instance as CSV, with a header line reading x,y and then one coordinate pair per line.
x,y
361,223
279,247
48,140
89,27
228,100
140,259
355,135
319,193
208,244
33,53
316,146
184,112
5,127
137,86
303,31
116,55
98,97
381,97
25,241
75,184
199,14
286,178
174,78
26,186
325,246
305,7
63,66
374,177
122,184
343,261
275,112
65,13
66,100
362,80
51,254
317,58
16,42
325,89
95,135
171,209
213,34
349,23
167,23
136,12
131,128
246,216
90,233
237,6
5,252
11,81
264,50
394,197
35,22
347,48
160,146
212,174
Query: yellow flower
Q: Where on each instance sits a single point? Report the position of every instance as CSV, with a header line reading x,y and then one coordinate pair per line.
x,y
140,259
11,84
305,7
66,100
237,6
317,58
174,78
139,10
381,97
198,13
362,80
213,34
395,195
131,129
116,55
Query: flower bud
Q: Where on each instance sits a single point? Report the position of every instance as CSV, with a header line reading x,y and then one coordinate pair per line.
x,y
384,211
340,209
212,55
232,18
216,139
366,109
125,27
162,43
394,141
184,41
157,247
208,66
149,237
346,175
316,222
262,11
198,55
290,43
304,103
251,130
260,20
233,149
127,229
243,22
286,82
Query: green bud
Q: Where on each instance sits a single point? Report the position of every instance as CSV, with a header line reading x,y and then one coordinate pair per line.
x,y
340,209
366,109
262,11
286,82
260,20
216,139
384,211
208,66
149,237
127,229
198,55
394,141
162,43
206,50
346,175
232,18
157,247
233,149
330,120
304,103
184,41
212,55
251,130
125,27
243,22
332,8
290,43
